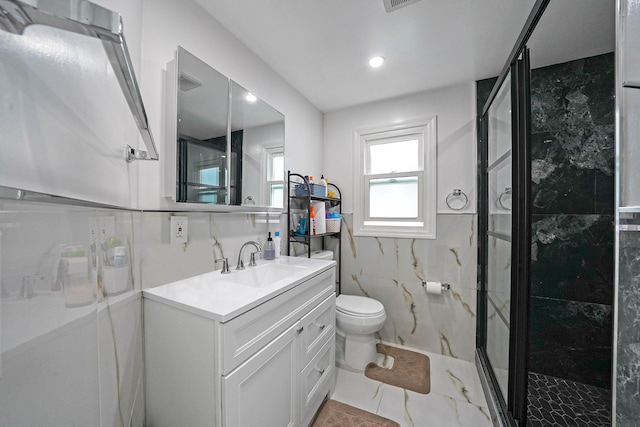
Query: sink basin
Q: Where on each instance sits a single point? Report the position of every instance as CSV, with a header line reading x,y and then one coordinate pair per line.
x,y
263,275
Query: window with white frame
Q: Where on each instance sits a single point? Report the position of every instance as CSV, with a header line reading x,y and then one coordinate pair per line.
x,y
395,180
275,176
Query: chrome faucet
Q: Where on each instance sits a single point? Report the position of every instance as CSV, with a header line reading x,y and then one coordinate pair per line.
x,y
252,262
225,265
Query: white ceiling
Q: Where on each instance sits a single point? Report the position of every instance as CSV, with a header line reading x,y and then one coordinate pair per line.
x,y
322,47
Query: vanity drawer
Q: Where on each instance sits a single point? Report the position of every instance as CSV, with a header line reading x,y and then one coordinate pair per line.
x,y
318,325
316,376
247,334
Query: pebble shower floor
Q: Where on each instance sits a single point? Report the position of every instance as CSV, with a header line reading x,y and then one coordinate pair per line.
x,y
554,402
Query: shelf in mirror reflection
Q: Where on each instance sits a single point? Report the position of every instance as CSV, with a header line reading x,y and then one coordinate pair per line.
x,y
27,321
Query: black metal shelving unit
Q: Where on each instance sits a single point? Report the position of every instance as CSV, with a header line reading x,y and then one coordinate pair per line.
x,y
299,205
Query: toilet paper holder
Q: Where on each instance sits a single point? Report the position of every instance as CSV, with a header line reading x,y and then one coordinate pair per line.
x,y
444,286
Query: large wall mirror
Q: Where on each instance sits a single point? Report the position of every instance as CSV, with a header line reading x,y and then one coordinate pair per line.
x,y
224,146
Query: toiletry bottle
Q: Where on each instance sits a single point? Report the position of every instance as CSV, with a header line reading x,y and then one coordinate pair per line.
x,y
312,219
301,230
323,186
269,249
276,243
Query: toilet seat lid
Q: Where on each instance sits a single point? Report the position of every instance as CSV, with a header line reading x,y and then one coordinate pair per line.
x,y
359,306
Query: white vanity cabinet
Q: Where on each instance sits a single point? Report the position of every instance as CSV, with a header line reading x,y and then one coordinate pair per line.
x,y
263,390
269,366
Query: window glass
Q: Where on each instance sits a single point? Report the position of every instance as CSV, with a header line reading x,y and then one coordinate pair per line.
x,y
277,194
393,197
394,156
275,177
210,176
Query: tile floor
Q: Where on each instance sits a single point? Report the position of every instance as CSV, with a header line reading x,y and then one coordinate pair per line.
x,y
456,397
555,402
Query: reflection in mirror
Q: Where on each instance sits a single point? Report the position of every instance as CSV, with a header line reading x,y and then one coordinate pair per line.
x,y
257,151
573,29
202,131
230,144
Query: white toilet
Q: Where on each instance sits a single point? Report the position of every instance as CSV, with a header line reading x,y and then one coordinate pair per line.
x,y
357,320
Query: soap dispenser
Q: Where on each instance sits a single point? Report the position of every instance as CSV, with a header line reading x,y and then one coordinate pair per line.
x,y
277,243
269,249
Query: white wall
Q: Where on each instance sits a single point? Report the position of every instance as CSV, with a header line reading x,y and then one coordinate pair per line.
x,y
392,270
455,109
168,24
64,120
255,143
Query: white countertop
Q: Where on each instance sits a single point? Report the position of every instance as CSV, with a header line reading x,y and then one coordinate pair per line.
x,y
218,297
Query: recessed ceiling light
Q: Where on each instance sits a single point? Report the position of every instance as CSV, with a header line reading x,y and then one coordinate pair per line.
x,y
376,61
251,97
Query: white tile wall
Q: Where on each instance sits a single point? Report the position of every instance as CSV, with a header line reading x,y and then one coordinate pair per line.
x,y
60,365
84,365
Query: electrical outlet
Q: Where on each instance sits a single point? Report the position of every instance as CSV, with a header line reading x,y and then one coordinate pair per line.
x,y
179,229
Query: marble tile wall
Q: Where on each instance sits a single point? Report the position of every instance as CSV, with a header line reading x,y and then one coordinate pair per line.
x,y
628,331
391,271
211,236
84,365
572,220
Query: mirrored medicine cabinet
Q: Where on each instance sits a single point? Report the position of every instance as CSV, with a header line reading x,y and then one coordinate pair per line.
x,y
224,146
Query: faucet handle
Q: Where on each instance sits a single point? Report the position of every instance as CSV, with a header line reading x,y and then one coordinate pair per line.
x,y
26,291
225,265
252,261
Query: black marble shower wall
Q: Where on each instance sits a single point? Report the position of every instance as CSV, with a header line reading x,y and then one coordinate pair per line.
x,y
572,236
572,232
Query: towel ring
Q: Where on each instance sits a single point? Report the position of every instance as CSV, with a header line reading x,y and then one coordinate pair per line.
x,y
457,194
501,200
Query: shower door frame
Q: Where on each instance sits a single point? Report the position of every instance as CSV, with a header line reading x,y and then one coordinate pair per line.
x,y
512,408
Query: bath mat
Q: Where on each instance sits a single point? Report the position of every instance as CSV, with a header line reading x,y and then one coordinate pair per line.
x,y
410,370
337,414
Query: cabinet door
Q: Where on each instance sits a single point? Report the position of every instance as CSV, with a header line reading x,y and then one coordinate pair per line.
x,y
263,391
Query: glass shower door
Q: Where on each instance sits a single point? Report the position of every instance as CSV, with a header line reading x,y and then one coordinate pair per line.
x,y
498,235
504,246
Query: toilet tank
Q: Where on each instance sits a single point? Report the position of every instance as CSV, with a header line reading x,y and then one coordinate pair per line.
x,y
320,255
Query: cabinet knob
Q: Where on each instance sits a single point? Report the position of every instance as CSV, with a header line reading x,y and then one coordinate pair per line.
x,y
300,329
321,326
320,370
